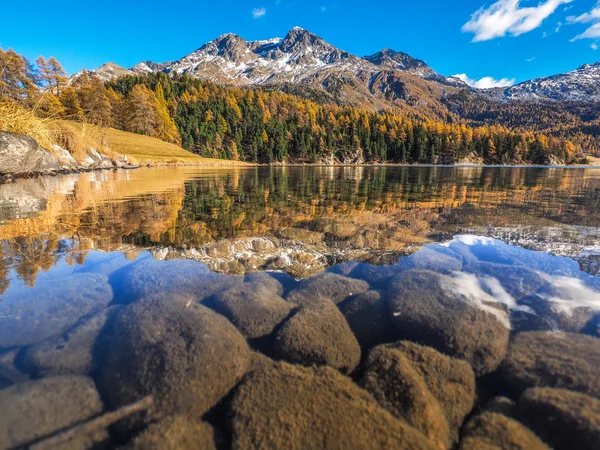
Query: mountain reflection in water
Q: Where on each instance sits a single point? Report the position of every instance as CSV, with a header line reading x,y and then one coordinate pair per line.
x,y
299,219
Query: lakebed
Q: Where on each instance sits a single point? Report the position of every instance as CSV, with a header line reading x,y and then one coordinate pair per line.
x,y
307,307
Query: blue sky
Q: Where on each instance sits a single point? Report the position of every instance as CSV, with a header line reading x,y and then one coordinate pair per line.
x,y
502,39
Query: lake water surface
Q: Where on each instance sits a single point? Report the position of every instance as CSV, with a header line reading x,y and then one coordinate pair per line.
x,y
100,273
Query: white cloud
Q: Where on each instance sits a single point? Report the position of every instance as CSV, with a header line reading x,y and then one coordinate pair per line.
x,y
530,59
593,17
507,16
594,46
257,13
592,32
485,82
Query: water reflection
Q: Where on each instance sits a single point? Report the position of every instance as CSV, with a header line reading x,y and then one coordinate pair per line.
x,y
298,219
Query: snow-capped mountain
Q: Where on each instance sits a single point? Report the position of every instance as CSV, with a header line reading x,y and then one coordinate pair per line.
x,y
582,84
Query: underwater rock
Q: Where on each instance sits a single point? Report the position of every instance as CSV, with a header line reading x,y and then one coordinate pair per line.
x,y
397,387
69,354
39,408
289,407
175,433
369,318
496,431
318,334
52,308
503,405
9,372
378,277
254,311
558,360
437,258
336,288
452,315
431,391
565,419
187,356
266,281
517,281
150,278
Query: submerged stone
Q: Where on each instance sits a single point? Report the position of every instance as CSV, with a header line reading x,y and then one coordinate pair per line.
x,y
336,288
175,433
497,431
565,419
288,407
318,334
547,359
452,315
72,353
52,308
151,278
431,391
369,318
254,310
39,408
186,356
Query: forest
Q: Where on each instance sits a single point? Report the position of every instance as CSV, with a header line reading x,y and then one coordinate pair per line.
x,y
259,126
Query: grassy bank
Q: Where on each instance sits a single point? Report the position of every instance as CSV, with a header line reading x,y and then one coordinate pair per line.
x,y
141,149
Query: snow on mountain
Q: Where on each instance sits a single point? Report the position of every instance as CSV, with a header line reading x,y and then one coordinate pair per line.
x,y
582,84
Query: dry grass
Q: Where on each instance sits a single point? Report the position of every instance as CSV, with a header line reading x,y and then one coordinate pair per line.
x,y
143,149
77,137
16,119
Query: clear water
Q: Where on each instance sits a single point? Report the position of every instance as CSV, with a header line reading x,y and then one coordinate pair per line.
x,y
73,246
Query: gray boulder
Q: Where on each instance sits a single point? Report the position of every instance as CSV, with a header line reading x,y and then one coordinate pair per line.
x,y
52,308
368,315
318,334
565,419
557,360
289,407
336,288
186,356
72,353
496,431
254,310
451,315
36,409
150,278
176,433
21,154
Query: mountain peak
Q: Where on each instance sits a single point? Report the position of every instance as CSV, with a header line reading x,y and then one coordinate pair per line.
x,y
391,59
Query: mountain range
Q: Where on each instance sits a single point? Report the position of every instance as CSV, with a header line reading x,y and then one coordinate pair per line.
x,y
303,63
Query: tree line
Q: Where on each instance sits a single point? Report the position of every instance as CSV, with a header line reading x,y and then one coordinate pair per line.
x,y
254,125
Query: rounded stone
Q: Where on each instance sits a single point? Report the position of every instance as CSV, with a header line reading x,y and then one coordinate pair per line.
x,y
565,419
175,433
36,409
150,278
318,334
548,359
369,318
51,308
392,380
254,310
496,431
69,354
446,314
186,356
290,407
336,288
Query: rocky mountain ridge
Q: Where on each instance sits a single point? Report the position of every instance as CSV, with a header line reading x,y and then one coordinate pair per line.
x,y
303,60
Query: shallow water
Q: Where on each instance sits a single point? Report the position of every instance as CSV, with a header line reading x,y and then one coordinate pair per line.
x,y
513,250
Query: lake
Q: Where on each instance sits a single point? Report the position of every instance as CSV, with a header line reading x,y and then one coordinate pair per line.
x,y
175,291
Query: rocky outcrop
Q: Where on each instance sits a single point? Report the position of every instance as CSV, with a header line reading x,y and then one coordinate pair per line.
x,y
20,154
